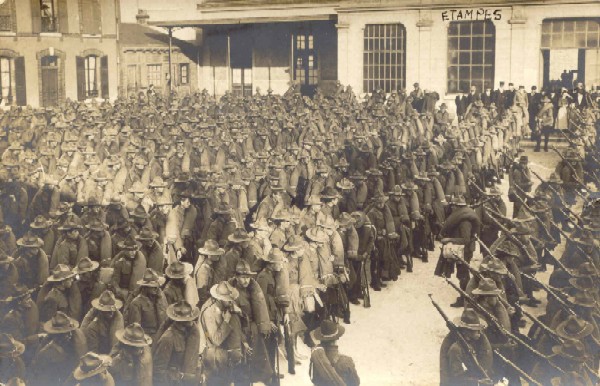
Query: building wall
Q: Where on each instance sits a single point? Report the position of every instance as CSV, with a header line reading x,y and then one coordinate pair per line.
x,y
70,43
518,57
141,57
272,62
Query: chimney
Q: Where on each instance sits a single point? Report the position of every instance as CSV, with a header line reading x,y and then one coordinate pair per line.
x,y
142,17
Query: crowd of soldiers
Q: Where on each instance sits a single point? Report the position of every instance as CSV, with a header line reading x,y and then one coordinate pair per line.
x,y
179,240
497,339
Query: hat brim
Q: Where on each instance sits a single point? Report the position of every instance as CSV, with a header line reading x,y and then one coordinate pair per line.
x,y
50,329
318,334
187,270
479,292
178,318
120,334
474,327
216,295
80,375
560,331
235,239
54,279
105,308
94,267
208,252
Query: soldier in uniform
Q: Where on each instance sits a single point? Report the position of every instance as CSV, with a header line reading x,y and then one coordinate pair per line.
x,y
175,353
520,183
148,307
132,357
327,365
102,322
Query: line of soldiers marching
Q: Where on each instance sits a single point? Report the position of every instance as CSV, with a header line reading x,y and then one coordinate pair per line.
x,y
179,240
489,342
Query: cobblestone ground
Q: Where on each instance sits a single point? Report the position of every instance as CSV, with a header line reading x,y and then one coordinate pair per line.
x,y
397,340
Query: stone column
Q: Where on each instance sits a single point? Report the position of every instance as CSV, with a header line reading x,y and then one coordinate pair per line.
x,y
342,53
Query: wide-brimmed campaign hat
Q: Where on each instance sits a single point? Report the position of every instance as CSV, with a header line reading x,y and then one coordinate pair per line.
x,y
328,331
345,184
151,279
182,311
91,364
129,244
261,224
487,287
72,223
493,265
133,335
40,222
224,291
583,299
470,320
239,236
211,248
60,323
107,302
574,328
9,347
178,270
60,273
317,235
85,264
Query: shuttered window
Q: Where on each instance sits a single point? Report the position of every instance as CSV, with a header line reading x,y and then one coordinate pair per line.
x,y
20,84
92,77
49,15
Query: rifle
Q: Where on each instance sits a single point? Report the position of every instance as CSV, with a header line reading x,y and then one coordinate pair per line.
x,y
512,237
365,282
461,339
539,220
478,308
559,197
544,327
515,367
289,347
584,253
560,301
587,148
574,176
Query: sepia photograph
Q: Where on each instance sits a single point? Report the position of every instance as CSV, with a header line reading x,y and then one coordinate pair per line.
x,y
299,192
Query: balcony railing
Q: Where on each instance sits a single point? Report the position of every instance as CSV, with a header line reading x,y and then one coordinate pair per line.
x,y
6,23
49,24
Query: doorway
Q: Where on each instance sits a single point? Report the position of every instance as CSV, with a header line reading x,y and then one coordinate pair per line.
x,y
306,69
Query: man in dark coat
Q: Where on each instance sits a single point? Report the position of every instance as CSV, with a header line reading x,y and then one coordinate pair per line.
x,y
327,365
462,224
132,357
456,364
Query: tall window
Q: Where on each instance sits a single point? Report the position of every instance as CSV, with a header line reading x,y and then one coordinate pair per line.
x,y
6,15
306,59
49,15
5,80
154,74
184,73
471,46
91,17
571,33
384,57
91,76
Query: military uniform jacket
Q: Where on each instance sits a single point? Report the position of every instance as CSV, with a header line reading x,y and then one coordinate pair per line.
x,y
51,299
127,272
101,336
130,371
68,251
149,314
177,351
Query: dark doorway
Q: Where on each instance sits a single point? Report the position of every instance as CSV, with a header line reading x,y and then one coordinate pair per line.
x,y
241,43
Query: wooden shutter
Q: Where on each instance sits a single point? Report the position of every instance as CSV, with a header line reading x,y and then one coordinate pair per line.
x,y
80,61
36,17
104,77
90,16
63,19
20,85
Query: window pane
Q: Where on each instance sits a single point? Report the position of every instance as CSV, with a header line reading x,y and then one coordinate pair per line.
x,y
453,43
465,43
383,57
465,58
477,43
477,57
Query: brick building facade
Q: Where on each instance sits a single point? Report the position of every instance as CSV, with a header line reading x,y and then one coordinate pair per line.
x,y
51,50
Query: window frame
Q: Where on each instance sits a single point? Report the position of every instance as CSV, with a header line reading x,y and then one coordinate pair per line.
x,y
6,68
184,80
156,73
471,55
384,57
53,27
554,33
91,76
